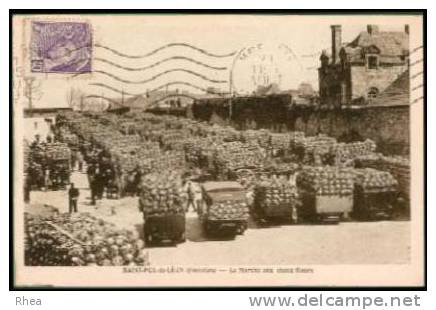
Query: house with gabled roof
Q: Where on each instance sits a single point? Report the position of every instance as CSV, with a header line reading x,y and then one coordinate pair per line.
x,y
361,71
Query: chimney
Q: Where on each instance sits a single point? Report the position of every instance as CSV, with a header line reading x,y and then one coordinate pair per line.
x,y
336,42
406,29
372,29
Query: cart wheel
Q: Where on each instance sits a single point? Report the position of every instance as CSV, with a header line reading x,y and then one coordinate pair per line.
x,y
241,230
207,229
149,239
182,237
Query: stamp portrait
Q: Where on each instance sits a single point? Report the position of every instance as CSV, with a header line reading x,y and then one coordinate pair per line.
x,y
61,47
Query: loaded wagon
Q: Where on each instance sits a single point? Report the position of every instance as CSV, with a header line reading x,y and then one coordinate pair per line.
x,y
59,173
162,203
375,194
276,200
326,194
373,205
223,210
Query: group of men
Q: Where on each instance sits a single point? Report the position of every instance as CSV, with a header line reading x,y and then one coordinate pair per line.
x,y
101,176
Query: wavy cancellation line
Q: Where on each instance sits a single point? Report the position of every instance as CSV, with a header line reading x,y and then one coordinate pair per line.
x,y
154,77
157,88
159,63
187,84
172,96
101,97
153,103
163,48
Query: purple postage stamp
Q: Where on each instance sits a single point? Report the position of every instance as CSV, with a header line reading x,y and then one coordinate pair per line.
x,y
62,47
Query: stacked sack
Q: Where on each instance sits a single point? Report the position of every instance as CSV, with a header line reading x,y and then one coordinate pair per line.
x,y
174,160
228,210
346,152
192,151
280,141
398,166
127,127
234,155
312,150
137,155
281,168
197,150
247,178
79,240
162,194
227,133
375,181
273,192
174,139
326,181
57,151
45,246
295,137
261,137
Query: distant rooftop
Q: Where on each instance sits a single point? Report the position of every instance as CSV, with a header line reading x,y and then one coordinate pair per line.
x,y
51,110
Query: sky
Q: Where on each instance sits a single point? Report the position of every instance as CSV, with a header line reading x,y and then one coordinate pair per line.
x,y
283,49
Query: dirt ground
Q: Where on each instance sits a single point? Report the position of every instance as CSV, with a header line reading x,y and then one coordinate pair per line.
x,y
385,242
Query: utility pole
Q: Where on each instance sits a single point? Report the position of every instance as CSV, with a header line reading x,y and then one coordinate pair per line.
x,y
81,103
231,83
122,97
101,102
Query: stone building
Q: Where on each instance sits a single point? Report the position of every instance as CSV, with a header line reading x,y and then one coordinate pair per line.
x,y
38,121
360,71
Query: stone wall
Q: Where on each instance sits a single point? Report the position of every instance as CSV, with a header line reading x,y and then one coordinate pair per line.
x,y
388,126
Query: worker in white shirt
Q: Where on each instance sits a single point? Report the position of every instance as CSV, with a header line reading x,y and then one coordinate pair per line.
x,y
191,196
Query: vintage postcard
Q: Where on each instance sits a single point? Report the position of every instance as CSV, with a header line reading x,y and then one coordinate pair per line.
x,y
202,150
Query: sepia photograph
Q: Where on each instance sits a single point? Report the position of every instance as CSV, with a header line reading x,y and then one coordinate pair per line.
x,y
218,150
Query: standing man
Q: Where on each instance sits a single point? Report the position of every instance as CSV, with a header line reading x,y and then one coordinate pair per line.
x,y
191,196
73,196
47,180
73,160
198,195
93,188
79,158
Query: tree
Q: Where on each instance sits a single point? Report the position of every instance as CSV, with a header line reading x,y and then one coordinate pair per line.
x,y
71,95
32,90
269,89
75,98
306,89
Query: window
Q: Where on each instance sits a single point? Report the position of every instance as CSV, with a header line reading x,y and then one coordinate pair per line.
x,y
372,62
373,93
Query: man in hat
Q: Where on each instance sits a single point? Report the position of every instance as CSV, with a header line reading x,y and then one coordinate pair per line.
x,y
73,196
